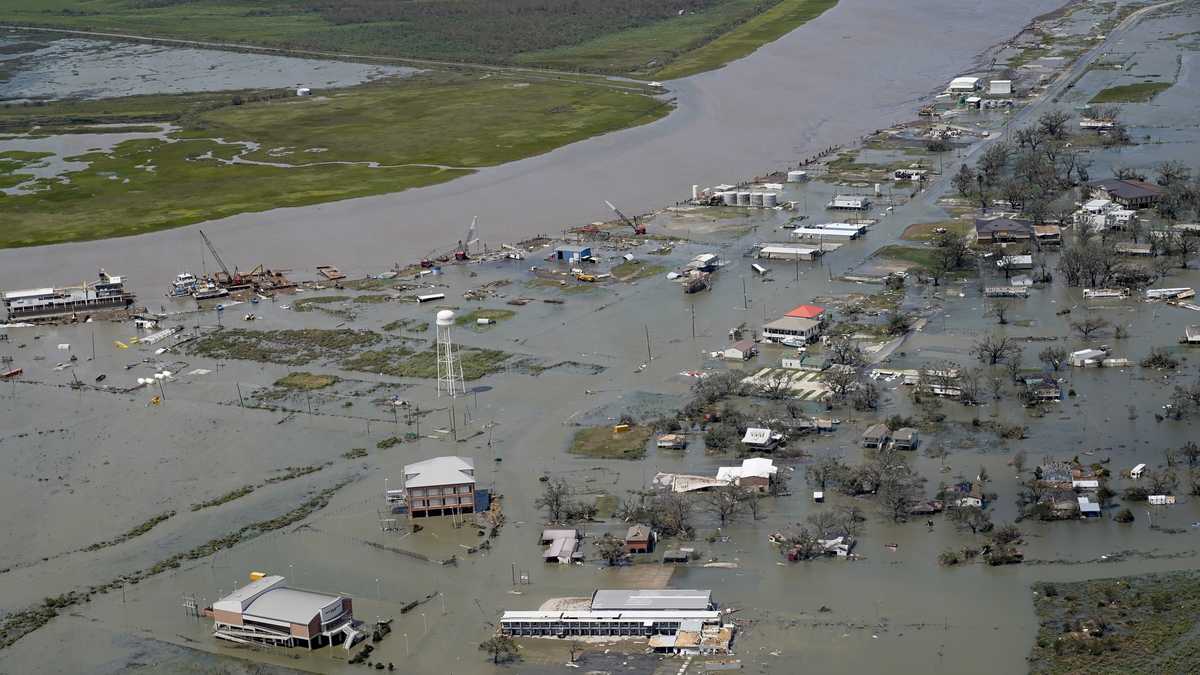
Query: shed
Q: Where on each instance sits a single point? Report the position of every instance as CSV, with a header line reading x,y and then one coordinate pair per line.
x,y
639,539
964,84
573,252
1136,472
742,350
1000,87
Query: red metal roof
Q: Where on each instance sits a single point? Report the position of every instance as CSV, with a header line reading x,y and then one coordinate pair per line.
x,y
806,312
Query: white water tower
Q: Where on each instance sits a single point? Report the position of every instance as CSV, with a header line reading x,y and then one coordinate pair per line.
x,y
450,375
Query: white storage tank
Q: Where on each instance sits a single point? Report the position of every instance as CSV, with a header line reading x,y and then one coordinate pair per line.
x,y
770,200
729,198
756,199
797,176
743,198
695,192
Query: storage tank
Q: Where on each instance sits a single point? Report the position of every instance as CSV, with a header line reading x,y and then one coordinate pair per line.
x,y
770,200
797,176
756,199
729,198
695,192
743,199
878,190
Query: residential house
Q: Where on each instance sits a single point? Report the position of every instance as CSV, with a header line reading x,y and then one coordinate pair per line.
x,y
1191,334
905,438
814,312
1043,388
999,230
1087,507
742,350
440,486
1048,235
562,545
876,436
1015,262
755,473
672,441
1134,194
791,328
763,440
812,363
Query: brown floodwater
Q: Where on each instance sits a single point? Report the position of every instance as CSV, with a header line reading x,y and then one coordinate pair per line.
x,y
85,466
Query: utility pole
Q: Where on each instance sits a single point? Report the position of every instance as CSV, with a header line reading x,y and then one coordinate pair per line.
x,y
241,402
649,356
693,321
93,344
745,297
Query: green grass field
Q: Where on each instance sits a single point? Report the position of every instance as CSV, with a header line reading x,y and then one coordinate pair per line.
x,y
1140,92
633,36
439,127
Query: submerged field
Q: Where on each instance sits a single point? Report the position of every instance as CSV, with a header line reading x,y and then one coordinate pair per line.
x,y
624,37
243,152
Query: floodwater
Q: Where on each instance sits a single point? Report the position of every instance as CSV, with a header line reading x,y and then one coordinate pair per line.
x,y
826,83
93,69
85,466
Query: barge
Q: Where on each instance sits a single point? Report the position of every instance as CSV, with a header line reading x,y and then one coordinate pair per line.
x,y
107,292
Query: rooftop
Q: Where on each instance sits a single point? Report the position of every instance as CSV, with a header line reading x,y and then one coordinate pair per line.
x,y
652,599
1129,189
792,323
440,471
806,312
290,604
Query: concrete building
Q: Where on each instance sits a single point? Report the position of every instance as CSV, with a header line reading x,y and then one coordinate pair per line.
x,y
792,328
440,486
569,252
1000,88
780,252
267,612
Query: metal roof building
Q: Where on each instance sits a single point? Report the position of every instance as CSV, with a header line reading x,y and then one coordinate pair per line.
x,y
652,599
265,611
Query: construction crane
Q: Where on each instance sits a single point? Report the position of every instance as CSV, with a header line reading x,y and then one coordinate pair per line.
x,y
638,228
217,256
463,252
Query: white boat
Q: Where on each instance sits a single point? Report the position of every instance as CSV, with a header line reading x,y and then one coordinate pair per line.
x,y
208,291
183,286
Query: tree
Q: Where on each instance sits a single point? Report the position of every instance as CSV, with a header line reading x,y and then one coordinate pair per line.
x,y
1018,461
844,352
865,396
1089,325
993,162
898,323
1053,357
970,385
1013,366
1160,357
724,502
1007,535
501,648
1171,173
721,436
840,381
1053,123
1191,452
611,549
994,349
964,181
827,470
899,491
825,524
999,310
555,498
970,518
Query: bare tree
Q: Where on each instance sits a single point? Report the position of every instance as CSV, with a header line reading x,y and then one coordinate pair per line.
x,y
841,381
753,501
1089,325
555,499
844,351
999,311
724,502
970,518
1053,123
994,349
1018,461
1053,357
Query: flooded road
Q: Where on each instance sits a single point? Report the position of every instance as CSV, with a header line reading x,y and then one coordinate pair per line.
x,y
852,70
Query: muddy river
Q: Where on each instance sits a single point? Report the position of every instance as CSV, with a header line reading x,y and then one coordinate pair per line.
x,y
853,70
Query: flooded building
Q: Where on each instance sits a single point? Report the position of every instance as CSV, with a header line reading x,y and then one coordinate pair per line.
x,y
792,329
266,611
107,292
763,440
639,539
1134,194
562,545
649,613
996,230
755,473
440,487
742,350
849,203
876,436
